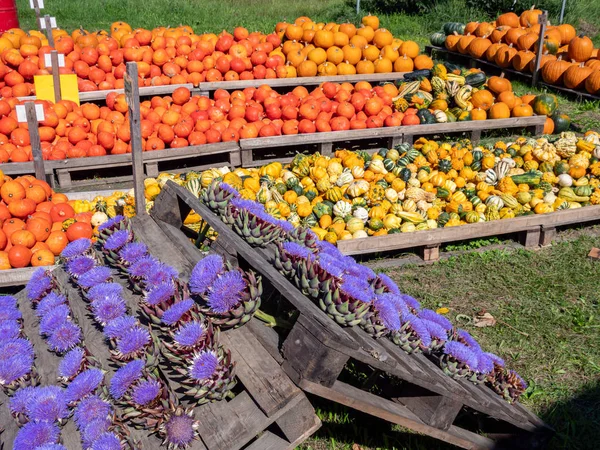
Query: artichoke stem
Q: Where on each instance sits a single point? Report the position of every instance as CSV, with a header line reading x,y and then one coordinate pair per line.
x,y
272,321
202,234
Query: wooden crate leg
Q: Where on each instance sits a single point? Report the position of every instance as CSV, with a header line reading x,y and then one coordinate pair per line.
x,y
326,148
323,367
64,178
235,159
202,93
152,169
408,138
475,136
246,157
445,413
530,238
430,253
547,235
298,421
395,140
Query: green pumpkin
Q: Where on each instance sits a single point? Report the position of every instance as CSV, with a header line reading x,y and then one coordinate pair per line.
x,y
268,179
561,167
389,164
425,116
443,218
405,174
452,27
413,154
445,165
359,202
297,189
281,188
476,166
547,166
375,224
310,193
476,79
477,155
583,191
321,209
442,192
470,192
403,147
310,221
382,152
438,38
403,162
364,155
464,116
562,122
384,184
545,104
475,200
394,231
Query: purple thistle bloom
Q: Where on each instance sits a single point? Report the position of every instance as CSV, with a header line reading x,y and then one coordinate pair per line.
x,y
54,318
172,315
65,337
71,363
180,430
204,365
38,287
47,405
388,283
133,341
248,205
84,384
328,248
205,273
21,398
466,338
484,363
9,329
133,251
49,302
10,313
330,265
189,334
297,250
79,265
36,434
76,248
97,275
432,316
16,359
111,222
125,377
461,353
143,266
387,313
162,273
436,331
7,301
117,240
51,447
284,225
520,380
229,189
108,309
93,430
226,292
495,359
358,270
411,302
118,327
160,293
108,441
104,290
357,288
91,408
145,392
419,328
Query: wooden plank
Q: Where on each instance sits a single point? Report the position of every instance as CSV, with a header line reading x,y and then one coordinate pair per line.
x,y
268,441
268,338
298,420
18,277
392,412
445,413
17,168
543,21
145,91
34,137
264,379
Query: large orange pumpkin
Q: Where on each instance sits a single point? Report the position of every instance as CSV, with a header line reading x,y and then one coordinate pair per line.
x,y
79,230
12,225
22,208
42,257
23,237
499,111
61,212
580,48
522,110
12,191
499,84
40,228
57,241
19,256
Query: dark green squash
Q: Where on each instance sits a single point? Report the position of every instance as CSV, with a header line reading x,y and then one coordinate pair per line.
x,y
417,75
438,38
382,152
425,116
405,174
454,27
545,104
476,79
562,122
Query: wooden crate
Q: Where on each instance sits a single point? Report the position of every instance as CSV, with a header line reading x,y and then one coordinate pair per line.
x,y
316,353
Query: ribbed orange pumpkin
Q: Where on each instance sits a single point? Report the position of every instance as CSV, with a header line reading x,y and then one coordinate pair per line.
x,y
478,47
593,63
484,29
553,72
576,75
504,55
482,99
490,53
512,36
530,17
592,84
545,59
522,59
509,19
499,111
580,48
452,41
471,27
499,84
567,32
463,43
527,41
522,110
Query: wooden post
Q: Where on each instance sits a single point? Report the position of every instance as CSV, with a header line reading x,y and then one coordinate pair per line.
x,y
35,5
55,75
543,21
48,28
34,138
132,93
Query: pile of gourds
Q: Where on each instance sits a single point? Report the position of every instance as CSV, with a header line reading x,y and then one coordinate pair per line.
x,y
450,93
421,187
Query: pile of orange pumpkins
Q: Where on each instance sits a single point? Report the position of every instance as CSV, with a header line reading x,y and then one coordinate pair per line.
x,y
36,223
511,42
180,120
170,56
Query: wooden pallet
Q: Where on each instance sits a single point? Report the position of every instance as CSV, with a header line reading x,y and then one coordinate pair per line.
x,y
495,69
414,392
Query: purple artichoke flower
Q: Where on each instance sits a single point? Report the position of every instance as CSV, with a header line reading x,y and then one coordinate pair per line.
x,y
387,313
79,265
328,248
51,447
297,250
419,328
160,293
108,309
65,337
143,266
520,380
461,353
8,302
133,341
229,189
226,292
189,334
16,360
93,430
145,392
117,240
36,434
76,248
111,222
84,384
91,408
161,273
49,302
389,283
133,251
107,441
436,331
466,338
71,363
172,315
118,327
124,378
495,359
38,287
10,313
205,273
54,318
331,265
284,225
358,270
484,363
357,288
22,397
9,329
204,365
180,430
47,405
104,290
97,275
432,316
248,205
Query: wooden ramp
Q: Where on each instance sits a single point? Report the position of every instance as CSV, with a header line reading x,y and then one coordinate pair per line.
x,y
411,390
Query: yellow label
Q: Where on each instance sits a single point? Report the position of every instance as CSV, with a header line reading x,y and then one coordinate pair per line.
x,y
44,87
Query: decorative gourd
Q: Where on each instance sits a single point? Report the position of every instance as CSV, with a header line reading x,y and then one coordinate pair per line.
x,y
545,104
562,122
342,209
438,38
499,84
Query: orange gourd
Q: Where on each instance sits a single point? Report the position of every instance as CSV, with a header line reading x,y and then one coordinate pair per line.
x,y
499,84
482,99
522,110
42,257
575,76
19,256
57,241
499,111
12,191
79,230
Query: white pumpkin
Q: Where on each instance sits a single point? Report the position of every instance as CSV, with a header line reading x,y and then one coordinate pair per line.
x,y
358,172
495,200
98,218
344,178
358,188
391,195
565,180
342,209
359,234
361,213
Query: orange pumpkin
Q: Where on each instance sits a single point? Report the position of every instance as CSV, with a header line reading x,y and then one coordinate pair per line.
x,y
580,48
22,208
12,191
40,228
530,17
575,76
509,19
79,230
57,241
23,237
19,256
522,110
553,72
499,111
592,84
61,212
12,225
482,99
4,261
42,257
499,84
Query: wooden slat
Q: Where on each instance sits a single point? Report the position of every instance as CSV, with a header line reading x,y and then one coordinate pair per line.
x,y
17,277
268,441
